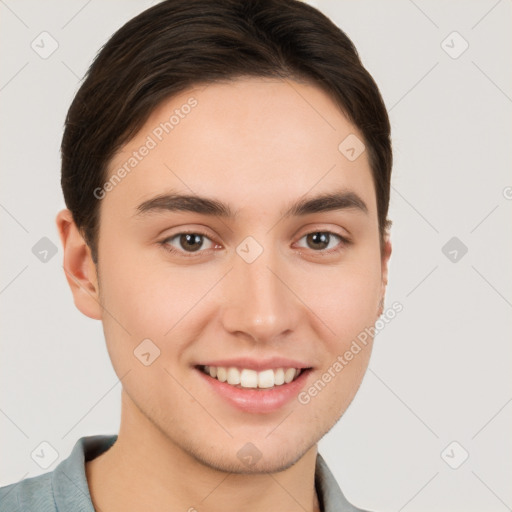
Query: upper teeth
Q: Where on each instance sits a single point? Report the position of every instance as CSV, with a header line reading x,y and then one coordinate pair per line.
x,y
251,378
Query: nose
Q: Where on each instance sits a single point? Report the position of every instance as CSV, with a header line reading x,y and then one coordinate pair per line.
x,y
259,303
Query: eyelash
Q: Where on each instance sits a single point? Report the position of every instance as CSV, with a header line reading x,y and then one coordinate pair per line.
x,y
344,241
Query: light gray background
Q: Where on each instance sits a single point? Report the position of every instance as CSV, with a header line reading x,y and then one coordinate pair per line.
x,y
440,371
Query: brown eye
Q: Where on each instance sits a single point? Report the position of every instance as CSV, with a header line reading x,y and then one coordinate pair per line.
x,y
319,240
183,243
325,242
191,241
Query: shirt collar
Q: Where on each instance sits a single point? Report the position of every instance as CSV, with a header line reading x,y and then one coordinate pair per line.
x,y
69,482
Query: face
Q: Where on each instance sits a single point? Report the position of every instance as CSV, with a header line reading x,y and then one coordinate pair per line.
x,y
234,281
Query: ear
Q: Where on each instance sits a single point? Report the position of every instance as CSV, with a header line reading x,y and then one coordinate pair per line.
x,y
79,267
385,255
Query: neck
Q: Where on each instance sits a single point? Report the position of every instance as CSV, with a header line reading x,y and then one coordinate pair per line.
x,y
145,470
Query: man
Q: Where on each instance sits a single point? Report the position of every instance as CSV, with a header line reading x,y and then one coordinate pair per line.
x,y
226,167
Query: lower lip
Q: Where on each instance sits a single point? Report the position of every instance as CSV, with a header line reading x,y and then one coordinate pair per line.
x,y
257,400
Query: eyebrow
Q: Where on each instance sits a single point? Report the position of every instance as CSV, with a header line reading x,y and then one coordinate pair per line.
x,y
175,202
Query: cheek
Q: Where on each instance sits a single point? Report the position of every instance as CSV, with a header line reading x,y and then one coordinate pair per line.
x,y
150,299
348,300
349,310
145,303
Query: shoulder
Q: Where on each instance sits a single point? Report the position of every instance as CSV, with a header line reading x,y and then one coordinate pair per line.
x,y
329,492
29,494
63,489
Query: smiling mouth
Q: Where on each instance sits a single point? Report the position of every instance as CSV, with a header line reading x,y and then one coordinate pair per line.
x,y
244,378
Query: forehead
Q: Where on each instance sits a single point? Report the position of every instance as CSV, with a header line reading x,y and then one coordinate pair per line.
x,y
252,141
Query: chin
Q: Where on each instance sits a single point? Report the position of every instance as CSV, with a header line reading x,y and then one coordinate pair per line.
x,y
262,462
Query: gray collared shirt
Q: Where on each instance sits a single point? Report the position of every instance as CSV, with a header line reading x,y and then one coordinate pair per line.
x,y
65,489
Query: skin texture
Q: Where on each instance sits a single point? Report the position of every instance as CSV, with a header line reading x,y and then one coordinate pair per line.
x,y
257,145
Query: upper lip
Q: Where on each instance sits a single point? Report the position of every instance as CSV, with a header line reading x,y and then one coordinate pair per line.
x,y
257,364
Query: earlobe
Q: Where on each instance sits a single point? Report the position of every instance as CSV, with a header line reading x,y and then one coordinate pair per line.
x,y
79,267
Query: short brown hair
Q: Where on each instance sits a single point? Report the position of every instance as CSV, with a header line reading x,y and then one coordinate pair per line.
x,y
177,44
